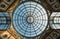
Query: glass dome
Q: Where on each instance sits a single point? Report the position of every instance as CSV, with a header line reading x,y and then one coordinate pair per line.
x,y
30,19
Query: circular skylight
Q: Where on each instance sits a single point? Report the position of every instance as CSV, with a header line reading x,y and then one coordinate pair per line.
x,y
30,19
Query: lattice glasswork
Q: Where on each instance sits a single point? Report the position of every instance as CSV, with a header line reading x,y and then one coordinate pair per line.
x,y
30,19
4,20
55,20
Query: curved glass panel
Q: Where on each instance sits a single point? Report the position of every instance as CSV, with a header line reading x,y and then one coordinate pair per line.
x,y
55,20
4,20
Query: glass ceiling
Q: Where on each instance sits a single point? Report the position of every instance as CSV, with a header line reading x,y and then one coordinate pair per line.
x,y
30,19
4,20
